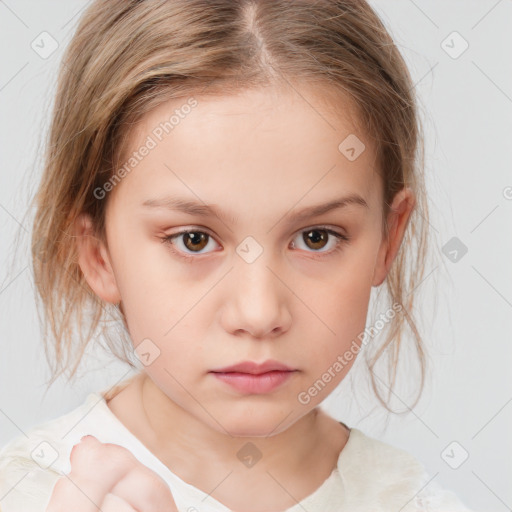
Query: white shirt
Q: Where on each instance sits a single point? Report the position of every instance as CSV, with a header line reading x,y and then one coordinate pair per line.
x,y
370,475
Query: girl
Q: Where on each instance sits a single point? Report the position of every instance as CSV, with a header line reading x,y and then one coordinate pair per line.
x,y
232,178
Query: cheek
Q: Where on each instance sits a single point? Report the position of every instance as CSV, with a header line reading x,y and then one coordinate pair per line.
x,y
344,310
151,288
343,301
350,283
162,313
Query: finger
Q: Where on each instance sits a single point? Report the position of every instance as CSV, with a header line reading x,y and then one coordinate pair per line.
x,y
95,470
135,483
144,490
67,492
113,503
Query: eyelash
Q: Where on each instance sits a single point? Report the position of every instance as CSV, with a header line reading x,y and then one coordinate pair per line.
x,y
340,242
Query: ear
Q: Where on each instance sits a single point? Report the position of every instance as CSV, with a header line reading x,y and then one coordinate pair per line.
x,y
398,218
94,260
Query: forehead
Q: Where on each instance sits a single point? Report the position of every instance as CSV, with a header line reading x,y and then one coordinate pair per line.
x,y
270,146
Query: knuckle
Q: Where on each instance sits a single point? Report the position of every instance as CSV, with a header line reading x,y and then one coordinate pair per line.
x,y
60,495
99,454
119,455
151,488
60,487
83,454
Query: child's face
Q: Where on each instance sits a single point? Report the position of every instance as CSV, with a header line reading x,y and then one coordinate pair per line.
x,y
246,293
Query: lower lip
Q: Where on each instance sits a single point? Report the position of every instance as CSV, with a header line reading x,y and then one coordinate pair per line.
x,y
249,383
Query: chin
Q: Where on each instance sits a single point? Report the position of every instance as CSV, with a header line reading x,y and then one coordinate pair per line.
x,y
258,421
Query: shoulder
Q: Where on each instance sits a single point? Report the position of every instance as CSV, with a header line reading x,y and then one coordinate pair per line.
x,y
31,463
391,477
382,457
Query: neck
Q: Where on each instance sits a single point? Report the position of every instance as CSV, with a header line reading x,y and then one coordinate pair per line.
x,y
293,463
180,435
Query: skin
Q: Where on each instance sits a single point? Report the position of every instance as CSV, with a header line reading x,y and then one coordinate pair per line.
x,y
261,155
108,477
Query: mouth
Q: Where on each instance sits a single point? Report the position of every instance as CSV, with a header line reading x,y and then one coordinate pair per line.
x,y
253,368
253,378
249,383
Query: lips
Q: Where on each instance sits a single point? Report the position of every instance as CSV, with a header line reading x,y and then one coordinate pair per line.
x,y
253,368
249,378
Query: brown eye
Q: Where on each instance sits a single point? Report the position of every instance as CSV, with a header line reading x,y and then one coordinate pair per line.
x,y
315,238
189,242
195,240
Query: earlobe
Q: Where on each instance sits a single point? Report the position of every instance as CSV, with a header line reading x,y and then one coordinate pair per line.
x,y
397,221
94,261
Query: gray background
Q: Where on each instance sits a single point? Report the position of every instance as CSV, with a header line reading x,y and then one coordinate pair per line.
x,y
466,305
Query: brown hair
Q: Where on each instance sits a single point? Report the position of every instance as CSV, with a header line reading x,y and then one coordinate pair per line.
x,y
127,57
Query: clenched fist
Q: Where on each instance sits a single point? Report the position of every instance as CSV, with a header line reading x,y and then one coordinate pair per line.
x,y
108,477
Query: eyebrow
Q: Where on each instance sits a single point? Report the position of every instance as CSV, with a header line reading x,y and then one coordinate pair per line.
x,y
198,209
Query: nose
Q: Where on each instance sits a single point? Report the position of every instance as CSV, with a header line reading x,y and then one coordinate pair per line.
x,y
257,299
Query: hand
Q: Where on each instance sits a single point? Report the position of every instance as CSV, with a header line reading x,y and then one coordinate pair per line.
x,y
108,477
